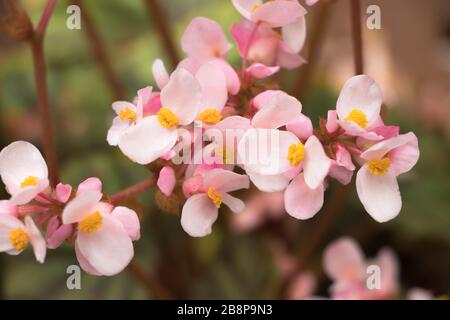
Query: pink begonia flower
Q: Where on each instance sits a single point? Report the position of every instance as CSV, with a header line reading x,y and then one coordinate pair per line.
x,y
128,115
7,207
263,149
155,135
358,107
267,47
57,232
166,180
201,210
63,192
345,264
23,171
276,13
15,236
376,180
342,168
204,41
104,235
92,183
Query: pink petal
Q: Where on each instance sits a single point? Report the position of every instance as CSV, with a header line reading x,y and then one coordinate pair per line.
x,y
387,131
278,111
302,286
316,164
192,185
294,34
84,263
286,58
138,147
204,39
8,208
260,71
263,98
36,239
344,158
226,181
90,184
360,93
213,84
340,173
236,205
182,95
108,250
25,195
353,129
81,206
232,78
332,124
245,7
160,73
343,260
154,105
198,215
129,220
379,195
269,183
302,127
241,33
166,180
63,192
279,13
59,236
302,202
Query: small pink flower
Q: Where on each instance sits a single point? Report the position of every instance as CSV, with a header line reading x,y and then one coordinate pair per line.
x,y
201,210
166,180
376,181
277,13
358,108
23,171
15,236
180,100
104,235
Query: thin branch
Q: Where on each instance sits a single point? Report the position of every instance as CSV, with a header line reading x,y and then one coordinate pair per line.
x,y
159,19
99,52
154,288
133,190
355,11
40,75
315,44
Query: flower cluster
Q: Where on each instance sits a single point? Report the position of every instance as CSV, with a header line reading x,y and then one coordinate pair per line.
x,y
353,276
211,129
101,233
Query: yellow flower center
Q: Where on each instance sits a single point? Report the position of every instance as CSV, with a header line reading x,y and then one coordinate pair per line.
x,y
91,223
358,117
296,153
19,239
167,118
30,181
379,167
215,196
210,116
128,114
256,6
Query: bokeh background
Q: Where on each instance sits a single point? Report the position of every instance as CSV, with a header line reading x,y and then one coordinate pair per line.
x,y
409,57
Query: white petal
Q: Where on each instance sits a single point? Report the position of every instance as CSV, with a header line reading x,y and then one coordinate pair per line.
x,y
81,206
268,183
182,95
198,215
214,87
236,205
115,132
36,240
294,34
316,164
160,73
379,195
147,140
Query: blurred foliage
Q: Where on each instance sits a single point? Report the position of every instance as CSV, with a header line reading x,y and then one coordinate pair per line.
x,y
226,265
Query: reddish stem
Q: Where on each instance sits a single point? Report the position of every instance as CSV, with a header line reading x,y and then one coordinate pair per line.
x,y
40,75
355,11
133,190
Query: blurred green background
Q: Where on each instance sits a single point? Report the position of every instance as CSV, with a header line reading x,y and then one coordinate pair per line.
x,y
227,264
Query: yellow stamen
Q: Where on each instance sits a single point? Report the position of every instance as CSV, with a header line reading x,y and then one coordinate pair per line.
x,y
379,167
256,6
167,118
128,114
210,116
296,153
19,239
358,117
215,196
91,223
30,181
226,155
